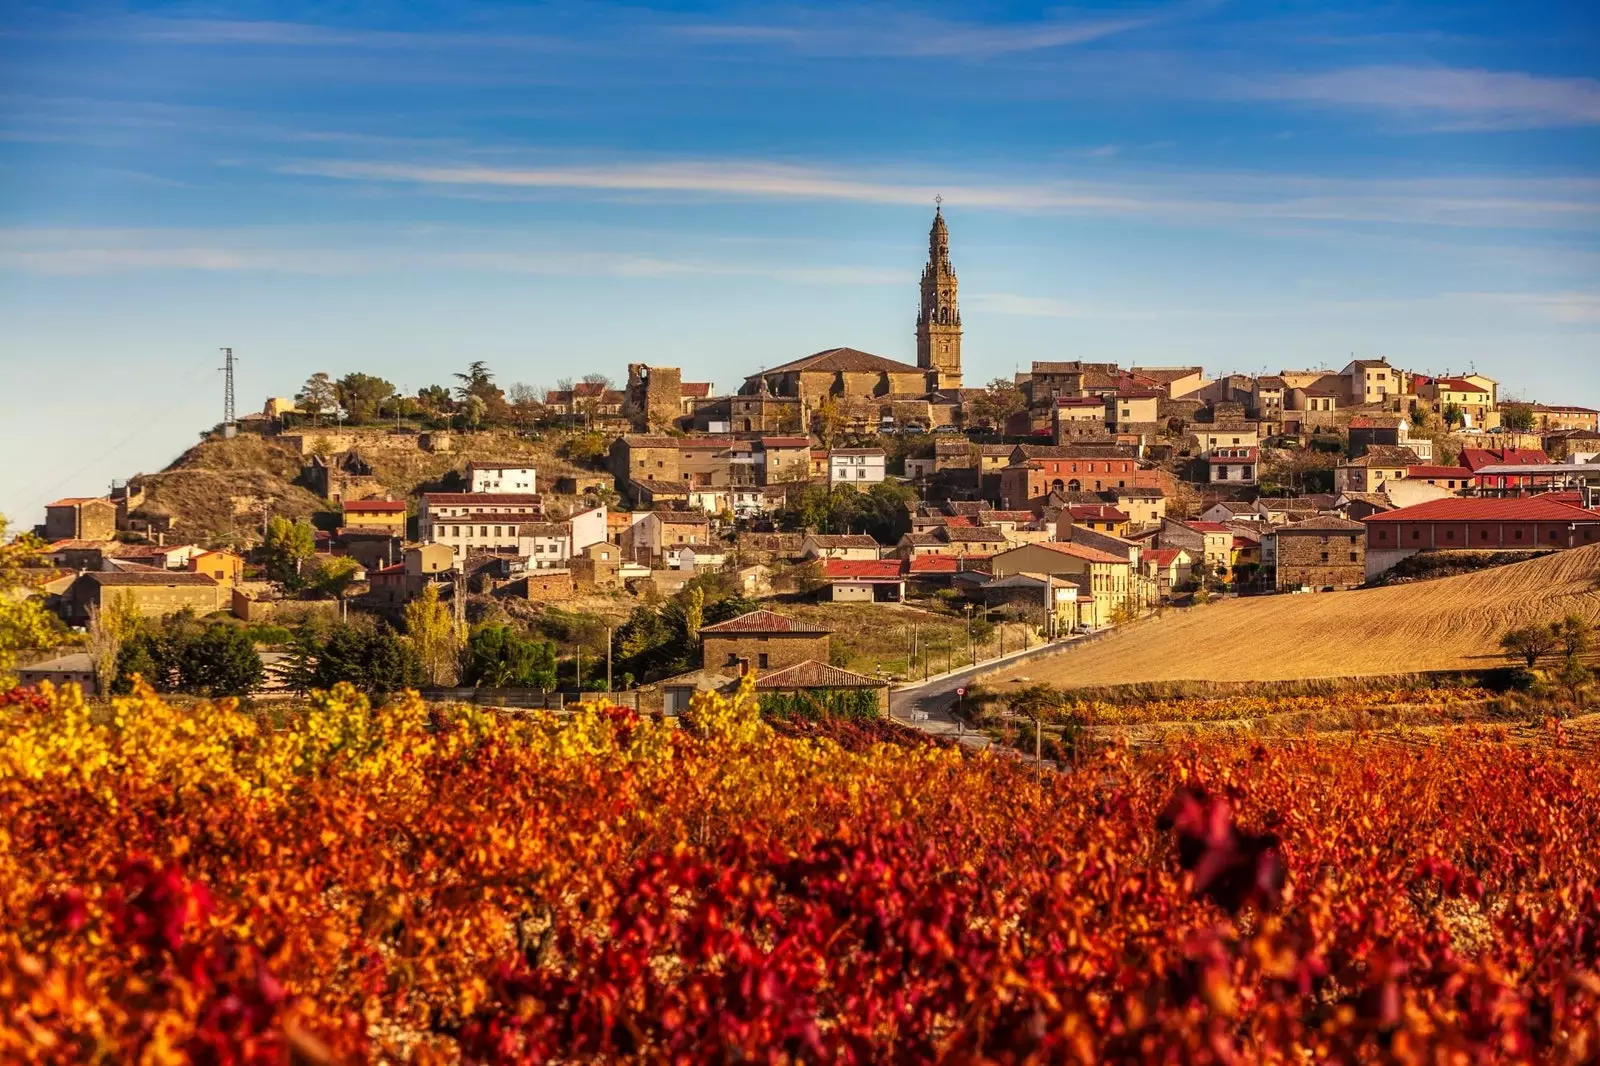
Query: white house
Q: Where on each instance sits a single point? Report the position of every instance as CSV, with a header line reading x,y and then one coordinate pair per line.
x,y
476,521
587,527
489,476
862,467
546,545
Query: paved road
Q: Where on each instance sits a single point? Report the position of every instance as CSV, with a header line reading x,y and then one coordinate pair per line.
x,y
937,697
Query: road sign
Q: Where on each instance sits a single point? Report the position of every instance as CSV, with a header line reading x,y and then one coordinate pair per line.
x,y
962,691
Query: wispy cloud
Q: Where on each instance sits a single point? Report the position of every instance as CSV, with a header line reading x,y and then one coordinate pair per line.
x,y
1207,197
876,30
102,252
1568,307
1468,98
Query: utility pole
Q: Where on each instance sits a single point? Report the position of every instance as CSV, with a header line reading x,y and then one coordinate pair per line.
x,y
608,659
230,423
580,670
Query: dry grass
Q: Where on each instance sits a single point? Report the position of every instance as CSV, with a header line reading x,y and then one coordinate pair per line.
x,y
1451,624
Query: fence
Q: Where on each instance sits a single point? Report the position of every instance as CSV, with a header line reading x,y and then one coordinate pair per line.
x,y
528,699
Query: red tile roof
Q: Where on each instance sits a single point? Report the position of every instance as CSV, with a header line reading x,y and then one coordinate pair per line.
x,y
934,564
463,499
1162,557
1101,512
834,360
696,388
1459,385
1454,472
1489,509
1474,458
786,442
1208,527
762,622
814,674
861,570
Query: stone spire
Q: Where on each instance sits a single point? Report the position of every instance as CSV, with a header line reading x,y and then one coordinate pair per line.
x,y
939,315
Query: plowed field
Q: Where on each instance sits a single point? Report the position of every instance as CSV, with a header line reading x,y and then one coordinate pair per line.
x,y
1451,624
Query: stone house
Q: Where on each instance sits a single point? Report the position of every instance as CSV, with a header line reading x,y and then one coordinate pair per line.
x,y
598,566
80,518
1380,464
761,640
154,594
854,546
1317,553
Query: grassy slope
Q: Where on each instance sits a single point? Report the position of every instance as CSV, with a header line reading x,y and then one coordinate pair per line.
x,y
1450,624
206,485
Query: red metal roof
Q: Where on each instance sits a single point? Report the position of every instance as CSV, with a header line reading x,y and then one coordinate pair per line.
x,y
1481,509
1475,458
934,564
862,569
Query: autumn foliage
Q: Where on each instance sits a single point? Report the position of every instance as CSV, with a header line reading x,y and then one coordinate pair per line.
x,y
445,885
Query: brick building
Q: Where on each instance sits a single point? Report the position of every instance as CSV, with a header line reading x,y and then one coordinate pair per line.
x,y
1316,553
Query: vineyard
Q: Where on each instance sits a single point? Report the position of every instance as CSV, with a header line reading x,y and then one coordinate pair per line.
x,y
343,884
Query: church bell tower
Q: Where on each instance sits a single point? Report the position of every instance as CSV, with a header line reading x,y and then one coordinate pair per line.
x,y
939,317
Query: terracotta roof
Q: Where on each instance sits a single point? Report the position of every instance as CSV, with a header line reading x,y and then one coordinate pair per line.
x,y
1489,509
763,622
696,388
1168,374
970,535
1073,366
1006,516
861,569
786,442
933,564
919,539
501,464
814,674
1271,381
841,540
1096,402
464,499
1091,555
119,550
73,501
169,577
1322,523
855,451
833,360
1161,556
80,545
542,529
380,506
661,488
1563,409
1459,385
1424,471
1102,512
1208,527
1140,394
682,518
1386,455
1250,455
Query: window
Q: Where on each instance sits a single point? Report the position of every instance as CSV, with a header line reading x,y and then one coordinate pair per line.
x,y
761,660
1352,557
1519,534
483,531
497,531
1324,556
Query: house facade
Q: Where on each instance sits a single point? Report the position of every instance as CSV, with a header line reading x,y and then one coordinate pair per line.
x,y
1493,523
761,640
1318,553
861,467
476,521
491,476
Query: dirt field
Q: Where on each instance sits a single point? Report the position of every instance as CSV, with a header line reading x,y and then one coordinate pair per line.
x,y
1451,624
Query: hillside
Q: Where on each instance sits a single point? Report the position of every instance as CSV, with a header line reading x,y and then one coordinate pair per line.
x,y
216,490
1450,624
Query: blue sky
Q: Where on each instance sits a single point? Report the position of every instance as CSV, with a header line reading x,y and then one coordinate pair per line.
x,y
561,188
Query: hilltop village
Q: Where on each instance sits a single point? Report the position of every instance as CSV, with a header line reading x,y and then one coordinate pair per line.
x,y
692,535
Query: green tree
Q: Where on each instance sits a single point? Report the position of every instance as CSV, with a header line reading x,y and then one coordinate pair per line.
x,y
24,622
500,657
473,411
361,395
436,400
319,396
1453,415
1574,634
1518,417
219,660
1419,417
377,662
109,626
333,577
729,607
694,613
433,635
1000,399
288,547
1529,643
297,670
